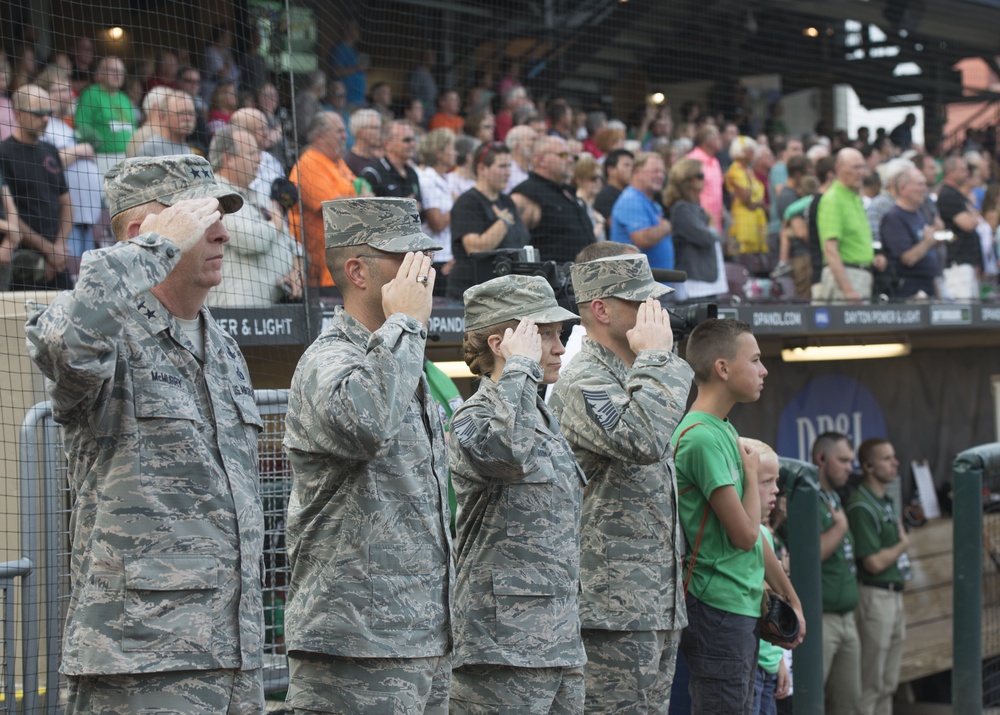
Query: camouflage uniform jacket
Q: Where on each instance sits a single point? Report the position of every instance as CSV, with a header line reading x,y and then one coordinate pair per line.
x,y
619,422
167,526
519,492
368,538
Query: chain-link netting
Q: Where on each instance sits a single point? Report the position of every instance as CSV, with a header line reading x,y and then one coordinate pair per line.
x,y
291,104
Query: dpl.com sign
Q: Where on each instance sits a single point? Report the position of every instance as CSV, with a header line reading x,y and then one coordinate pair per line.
x,y
832,403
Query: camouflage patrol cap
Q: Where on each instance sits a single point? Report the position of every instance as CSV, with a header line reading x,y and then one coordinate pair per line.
x,y
626,277
513,297
167,179
387,224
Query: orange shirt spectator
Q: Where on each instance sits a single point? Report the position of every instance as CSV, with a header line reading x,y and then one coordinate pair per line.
x,y
447,115
321,175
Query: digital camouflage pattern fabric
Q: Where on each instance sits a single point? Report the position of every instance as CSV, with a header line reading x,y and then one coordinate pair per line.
x,y
619,422
368,540
399,686
513,297
630,672
167,526
489,689
233,692
391,225
166,179
627,277
519,492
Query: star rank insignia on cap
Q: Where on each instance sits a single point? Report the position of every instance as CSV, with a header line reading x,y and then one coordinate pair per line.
x,y
600,408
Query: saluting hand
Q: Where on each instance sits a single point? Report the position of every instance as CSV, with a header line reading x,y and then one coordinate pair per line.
x,y
185,223
652,328
523,340
406,294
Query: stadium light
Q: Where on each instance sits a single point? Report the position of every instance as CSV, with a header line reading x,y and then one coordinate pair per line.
x,y
819,353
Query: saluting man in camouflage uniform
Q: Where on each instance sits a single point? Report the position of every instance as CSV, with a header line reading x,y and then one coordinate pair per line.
x,y
618,402
161,430
368,617
519,490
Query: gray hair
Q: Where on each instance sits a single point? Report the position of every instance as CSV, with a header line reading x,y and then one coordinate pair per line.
x,y
742,147
433,143
317,125
362,118
520,137
156,99
892,169
222,144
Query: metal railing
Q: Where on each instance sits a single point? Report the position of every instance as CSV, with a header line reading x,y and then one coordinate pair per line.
x,y
971,471
10,571
45,538
801,485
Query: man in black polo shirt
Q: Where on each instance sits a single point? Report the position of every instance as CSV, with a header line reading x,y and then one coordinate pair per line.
x,y
961,218
617,175
36,180
392,175
557,221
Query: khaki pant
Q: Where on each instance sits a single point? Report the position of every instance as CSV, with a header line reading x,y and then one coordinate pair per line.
x,y
841,664
882,629
829,291
802,275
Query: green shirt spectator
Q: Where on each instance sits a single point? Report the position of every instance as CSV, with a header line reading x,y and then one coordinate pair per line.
x,y
841,216
840,581
104,115
706,458
874,526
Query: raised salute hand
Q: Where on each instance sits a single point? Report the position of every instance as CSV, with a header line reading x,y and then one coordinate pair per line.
x,y
652,328
185,223
411,291
523,340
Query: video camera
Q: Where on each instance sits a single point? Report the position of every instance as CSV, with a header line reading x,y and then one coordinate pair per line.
x,y
525,262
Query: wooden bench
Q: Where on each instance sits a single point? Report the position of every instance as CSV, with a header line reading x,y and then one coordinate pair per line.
x,y
928,601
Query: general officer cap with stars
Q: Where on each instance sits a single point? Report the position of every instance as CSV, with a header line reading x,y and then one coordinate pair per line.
x,y
386,224
627,277
166,179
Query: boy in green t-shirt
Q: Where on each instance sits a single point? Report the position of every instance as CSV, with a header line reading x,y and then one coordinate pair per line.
x,y
719,505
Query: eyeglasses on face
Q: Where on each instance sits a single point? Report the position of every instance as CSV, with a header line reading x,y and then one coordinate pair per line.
x,y
37,112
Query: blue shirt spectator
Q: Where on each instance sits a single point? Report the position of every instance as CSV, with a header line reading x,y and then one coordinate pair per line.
x,y
633,212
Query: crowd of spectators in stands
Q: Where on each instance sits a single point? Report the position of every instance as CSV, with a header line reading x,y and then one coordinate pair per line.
x,y
575,176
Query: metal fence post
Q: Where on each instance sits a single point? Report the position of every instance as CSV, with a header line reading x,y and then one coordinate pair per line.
x,y
967,628
801,486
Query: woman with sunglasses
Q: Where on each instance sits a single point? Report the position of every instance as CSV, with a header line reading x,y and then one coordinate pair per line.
x,y
484,219
587,180
697,246
436,152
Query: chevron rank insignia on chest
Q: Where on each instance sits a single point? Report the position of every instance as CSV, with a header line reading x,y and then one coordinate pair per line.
x,y
600,408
